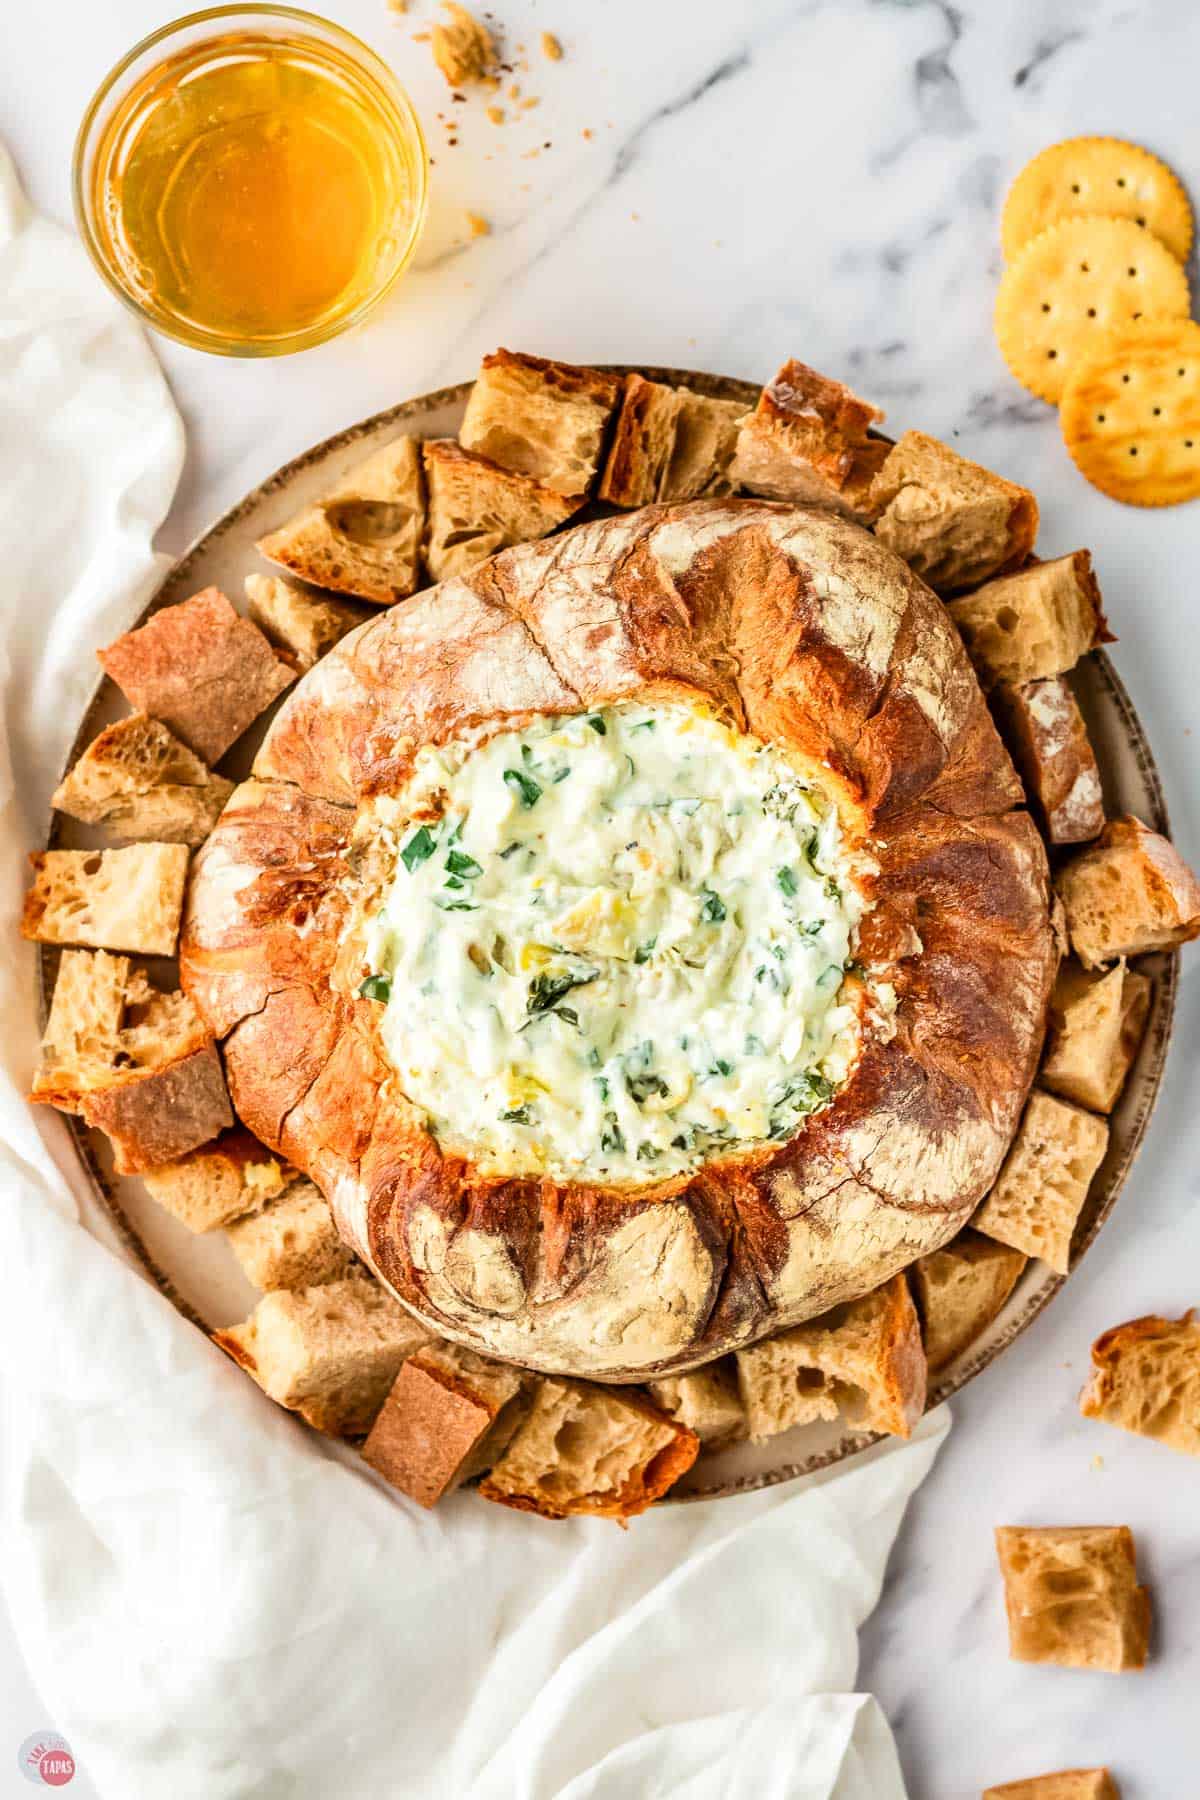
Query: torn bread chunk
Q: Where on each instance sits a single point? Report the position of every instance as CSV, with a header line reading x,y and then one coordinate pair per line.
x,y
960,1290
201,669
449,1415
864,1362
1146,1379
952,521
290,1241
330,1352
82,1040
706,435
1128,894
707,1401
1034,625
590,1449
1040,1191
363,536
543,419
477,508
305,626
141,783
1044,732
1065,1784
108,899
1097,1018
155,1115
642,440
227,1178
808,441
1072,1596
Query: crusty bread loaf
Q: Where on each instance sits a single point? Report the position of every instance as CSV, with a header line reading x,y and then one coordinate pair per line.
x,y
1097,1018
223,1181
82,1040
807,441
954,522
1040,1191
329,1353
305,626
1131,892
199,668
1146,1378
588,1449
289,1240
864,1361
707,1401
363,536
109,899
1033,625
706,434
139,781
544,419
1072,1596
450,1415
1066,1784
477,508
960,1290
1042,726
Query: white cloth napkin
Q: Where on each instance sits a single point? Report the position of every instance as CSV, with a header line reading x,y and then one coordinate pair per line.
x,y
211,1600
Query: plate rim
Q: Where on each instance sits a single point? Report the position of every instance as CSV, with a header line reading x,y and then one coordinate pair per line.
x,y
1154,1049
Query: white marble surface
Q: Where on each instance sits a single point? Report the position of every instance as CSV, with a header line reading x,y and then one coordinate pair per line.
x,y
822,179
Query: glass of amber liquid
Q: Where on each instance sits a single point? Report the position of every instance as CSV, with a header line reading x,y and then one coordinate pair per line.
x,y
251,180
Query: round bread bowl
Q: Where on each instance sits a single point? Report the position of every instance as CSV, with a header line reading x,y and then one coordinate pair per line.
x,y
198,1274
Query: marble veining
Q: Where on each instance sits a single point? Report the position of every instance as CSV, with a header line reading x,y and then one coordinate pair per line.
x,y
819,179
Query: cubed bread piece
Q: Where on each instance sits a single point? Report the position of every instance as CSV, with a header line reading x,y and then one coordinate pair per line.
x,y
952,521
960,1290
1072,1596
477,508
291,1241
590,1449
1040,1190
329,1353
1067,1784
109,899
1043,728
156,1116
706,435
363,536
1130,893
863,1361
1097,1018
139,781
807,441
450,1415
1033,625
642,440
223,1181
1146,1378
707,1401
305,626
82,1040
201,669
543,419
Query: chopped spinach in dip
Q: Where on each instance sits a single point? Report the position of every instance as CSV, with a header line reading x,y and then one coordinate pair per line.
x,y
614,944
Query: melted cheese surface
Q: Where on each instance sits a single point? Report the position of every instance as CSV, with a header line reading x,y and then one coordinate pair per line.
x,y
614,945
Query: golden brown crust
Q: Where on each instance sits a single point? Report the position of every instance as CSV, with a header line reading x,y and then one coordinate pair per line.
x,y
801,629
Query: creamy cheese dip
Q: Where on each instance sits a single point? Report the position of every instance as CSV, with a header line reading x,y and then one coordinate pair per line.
x,y
615,947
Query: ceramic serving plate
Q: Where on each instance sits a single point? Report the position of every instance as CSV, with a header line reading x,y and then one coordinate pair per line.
x,y
199,1274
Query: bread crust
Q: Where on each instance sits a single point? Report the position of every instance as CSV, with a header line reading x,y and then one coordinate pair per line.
x,y
801,629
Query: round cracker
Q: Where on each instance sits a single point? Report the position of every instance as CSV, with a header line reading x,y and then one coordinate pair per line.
x,y
1096,175
1071,286
1131,413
